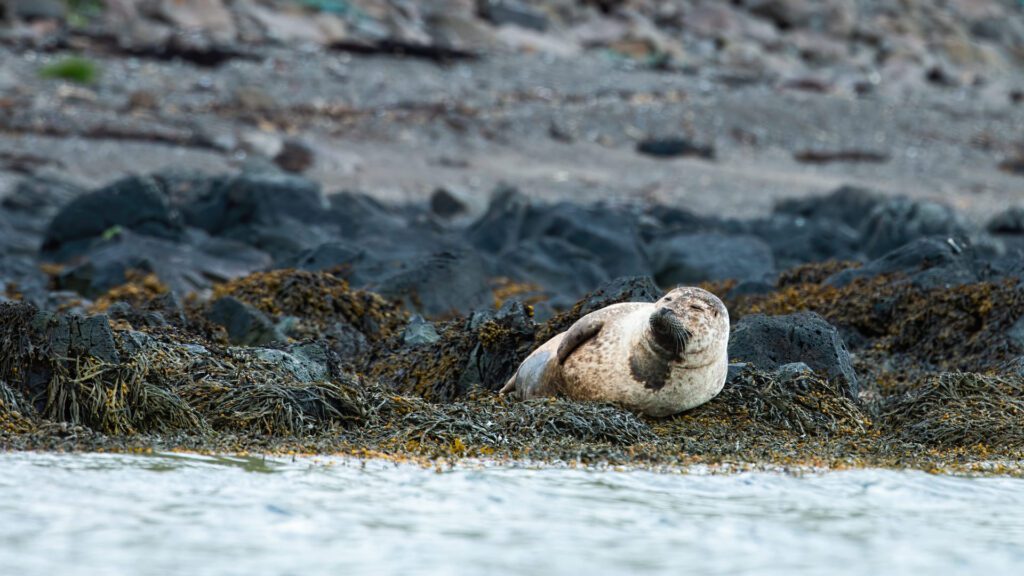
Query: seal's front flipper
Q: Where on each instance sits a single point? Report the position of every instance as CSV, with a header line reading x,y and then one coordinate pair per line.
x,y
584,329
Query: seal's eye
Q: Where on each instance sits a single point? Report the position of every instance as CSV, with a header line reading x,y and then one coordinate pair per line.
x,y
697,308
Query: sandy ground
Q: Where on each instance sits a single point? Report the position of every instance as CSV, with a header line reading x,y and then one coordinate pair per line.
x,y
556,128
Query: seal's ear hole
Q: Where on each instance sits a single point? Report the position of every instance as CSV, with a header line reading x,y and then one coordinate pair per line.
x,y
668,299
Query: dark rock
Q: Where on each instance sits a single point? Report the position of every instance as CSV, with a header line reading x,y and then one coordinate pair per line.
x,y
419,331
282,241
304,362
848,204
504,12
443,284
610,235
137,204
246,326
68,336
295,157
796,240
20,278
675,148
927,263
254,199
1009,222
735,369
40,197
768,342
792,370
622,289
901,220
1015,335
497,352
184,267
445,204
501,227
562,270
333,256
694,258
830,156
750,288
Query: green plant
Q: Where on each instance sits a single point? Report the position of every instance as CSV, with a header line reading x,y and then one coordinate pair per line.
x,y
73,69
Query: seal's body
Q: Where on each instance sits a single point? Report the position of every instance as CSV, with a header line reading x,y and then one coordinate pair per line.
x,y
660,358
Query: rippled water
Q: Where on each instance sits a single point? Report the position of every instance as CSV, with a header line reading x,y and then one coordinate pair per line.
x,y
173,514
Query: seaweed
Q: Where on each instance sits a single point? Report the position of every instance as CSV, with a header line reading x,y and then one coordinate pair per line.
x,y
959,410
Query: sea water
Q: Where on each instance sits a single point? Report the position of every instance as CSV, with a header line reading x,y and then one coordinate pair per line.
x,y
108,515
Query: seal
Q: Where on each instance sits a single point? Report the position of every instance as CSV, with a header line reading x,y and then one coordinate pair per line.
x,y
658,358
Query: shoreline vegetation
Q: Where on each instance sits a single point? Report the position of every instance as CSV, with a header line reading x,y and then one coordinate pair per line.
x,y
337,226
907,360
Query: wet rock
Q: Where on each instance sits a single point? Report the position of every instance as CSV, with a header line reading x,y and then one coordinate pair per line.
x,y
245,325
295,157
926,263
135,204
900,220
505,12
847,204
333,256
306,362
768,342
40,197
793,369
675,148
184,267
562,270
257,199
610,235
852,156
694,258
419,331
1015,335
735,369
796,240
1009,222
446,204
447,283
622,289
478,352
69,335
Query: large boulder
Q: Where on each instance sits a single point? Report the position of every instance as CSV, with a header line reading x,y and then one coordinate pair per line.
x,y
245,325
927,263
769,342
136,203
899,221
256,199
612,236
184,266
443,284
694,258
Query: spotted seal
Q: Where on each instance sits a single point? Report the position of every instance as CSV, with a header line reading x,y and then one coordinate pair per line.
x,y
658,358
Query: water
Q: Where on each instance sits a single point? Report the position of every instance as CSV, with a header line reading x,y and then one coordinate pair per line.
x,y
173,514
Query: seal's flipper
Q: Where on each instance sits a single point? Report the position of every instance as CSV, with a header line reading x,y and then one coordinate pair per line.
x,y
584,329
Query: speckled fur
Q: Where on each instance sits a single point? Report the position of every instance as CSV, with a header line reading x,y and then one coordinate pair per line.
x,y
606,367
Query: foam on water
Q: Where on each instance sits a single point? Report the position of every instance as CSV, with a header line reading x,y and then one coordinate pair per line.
x,y
179,514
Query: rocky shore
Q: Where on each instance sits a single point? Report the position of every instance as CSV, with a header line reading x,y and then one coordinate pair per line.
x,y
251,312
338,227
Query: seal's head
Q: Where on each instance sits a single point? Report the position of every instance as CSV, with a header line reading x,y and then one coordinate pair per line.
x,y
689,322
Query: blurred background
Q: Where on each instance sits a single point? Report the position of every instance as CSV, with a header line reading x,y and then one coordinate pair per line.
x,y
757,99
403,141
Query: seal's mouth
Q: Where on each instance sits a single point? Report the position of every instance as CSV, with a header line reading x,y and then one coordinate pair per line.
x,y
669,332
